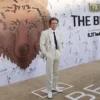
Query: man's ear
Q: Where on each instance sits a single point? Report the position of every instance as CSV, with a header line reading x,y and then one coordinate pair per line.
x,y
44,3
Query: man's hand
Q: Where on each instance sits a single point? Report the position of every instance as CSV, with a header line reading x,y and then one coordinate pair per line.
x,y
48,55
58,54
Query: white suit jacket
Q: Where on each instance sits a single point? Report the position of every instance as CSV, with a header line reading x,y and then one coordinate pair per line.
x,y
47,42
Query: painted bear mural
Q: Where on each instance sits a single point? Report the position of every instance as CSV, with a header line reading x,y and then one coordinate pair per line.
x,y
21,23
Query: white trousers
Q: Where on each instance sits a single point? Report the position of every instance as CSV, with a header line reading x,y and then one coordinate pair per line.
x,y
52,70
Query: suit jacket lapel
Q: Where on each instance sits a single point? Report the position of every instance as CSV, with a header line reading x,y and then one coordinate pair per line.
x,y
51,36
57,35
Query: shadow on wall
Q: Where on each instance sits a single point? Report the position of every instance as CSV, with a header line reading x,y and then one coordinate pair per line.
x,y
21,23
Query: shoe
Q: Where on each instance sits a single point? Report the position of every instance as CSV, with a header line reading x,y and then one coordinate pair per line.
x,y
50,95
58,90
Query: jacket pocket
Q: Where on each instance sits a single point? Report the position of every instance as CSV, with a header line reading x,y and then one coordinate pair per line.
x,y
58,54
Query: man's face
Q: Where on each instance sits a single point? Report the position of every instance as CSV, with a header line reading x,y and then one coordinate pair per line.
x,y
54,24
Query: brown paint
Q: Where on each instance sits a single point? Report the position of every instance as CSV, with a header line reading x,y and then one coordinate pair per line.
x,y
21,23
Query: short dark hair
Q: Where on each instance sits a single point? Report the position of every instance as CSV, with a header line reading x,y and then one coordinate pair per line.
x,y
53,18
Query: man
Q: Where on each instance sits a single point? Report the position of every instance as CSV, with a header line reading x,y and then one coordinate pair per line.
x,y
51,46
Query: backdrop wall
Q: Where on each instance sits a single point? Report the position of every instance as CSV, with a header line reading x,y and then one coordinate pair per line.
x,y
81,38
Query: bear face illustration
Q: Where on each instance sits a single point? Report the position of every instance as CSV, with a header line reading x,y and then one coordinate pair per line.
x,y
21,23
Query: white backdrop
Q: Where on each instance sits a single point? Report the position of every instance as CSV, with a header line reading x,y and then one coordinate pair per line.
x,y
78,48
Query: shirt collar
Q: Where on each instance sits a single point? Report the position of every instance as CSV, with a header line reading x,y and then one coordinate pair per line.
x,y
53,30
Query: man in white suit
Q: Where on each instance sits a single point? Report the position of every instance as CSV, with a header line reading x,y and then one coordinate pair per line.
x,y
51,47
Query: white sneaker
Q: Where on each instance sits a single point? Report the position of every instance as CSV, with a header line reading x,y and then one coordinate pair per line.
x,y
58,90
50,95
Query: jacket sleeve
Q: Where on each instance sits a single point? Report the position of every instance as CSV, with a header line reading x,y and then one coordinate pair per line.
x,y
42,43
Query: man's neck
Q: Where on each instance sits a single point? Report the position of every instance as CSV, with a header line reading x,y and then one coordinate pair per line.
x,y
53,29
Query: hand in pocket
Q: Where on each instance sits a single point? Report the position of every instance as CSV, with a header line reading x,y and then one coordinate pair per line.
x,y
48,55
58,54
